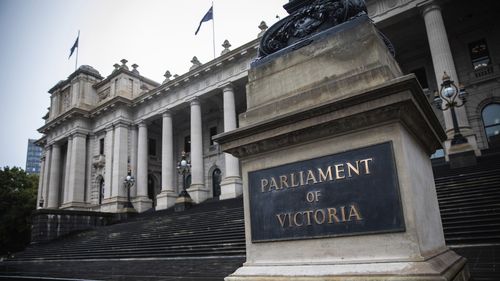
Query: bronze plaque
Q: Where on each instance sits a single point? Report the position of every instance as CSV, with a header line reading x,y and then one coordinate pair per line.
x,y
349,193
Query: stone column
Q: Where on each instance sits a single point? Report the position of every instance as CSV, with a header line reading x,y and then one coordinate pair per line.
x,y
46,175
55,178
166,198
442,60
133,156
120,162
231,185
76,192
142,202
108,166
41,181
67,171
197,190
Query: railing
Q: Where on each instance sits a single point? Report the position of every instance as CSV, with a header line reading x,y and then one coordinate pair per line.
x,y
483,74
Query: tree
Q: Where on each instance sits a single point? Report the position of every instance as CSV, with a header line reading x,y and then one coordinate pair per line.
x,y
18,192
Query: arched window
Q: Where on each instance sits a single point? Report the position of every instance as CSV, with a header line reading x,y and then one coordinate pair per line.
x,y
491,121
216,178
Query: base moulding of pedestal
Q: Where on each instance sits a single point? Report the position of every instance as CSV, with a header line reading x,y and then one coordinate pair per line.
x,y
447,266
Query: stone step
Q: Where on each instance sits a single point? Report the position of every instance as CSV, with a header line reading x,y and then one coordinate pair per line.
x,y
478,202
468,190
471,220
466,209
154,245
234,250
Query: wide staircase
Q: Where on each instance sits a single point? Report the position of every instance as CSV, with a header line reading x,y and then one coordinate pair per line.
x,y
206,242
469,201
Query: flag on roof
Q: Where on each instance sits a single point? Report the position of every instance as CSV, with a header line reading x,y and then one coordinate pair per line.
x,y
208,16
75,45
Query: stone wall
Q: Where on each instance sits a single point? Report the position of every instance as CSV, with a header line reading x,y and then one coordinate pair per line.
x,y
47,225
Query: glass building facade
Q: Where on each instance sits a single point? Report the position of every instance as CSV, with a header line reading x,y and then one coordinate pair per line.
x,y
33,156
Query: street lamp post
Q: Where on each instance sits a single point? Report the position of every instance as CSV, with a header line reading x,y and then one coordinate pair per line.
x,y
453,97
128,183
184,201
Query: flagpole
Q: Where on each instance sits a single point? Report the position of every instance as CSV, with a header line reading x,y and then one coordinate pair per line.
x,y
213,27
77,48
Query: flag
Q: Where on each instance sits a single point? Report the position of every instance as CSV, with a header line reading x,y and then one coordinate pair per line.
x,y
208,16
74,46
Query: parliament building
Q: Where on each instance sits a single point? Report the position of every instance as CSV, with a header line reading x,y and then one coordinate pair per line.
x,y
112,140
99,129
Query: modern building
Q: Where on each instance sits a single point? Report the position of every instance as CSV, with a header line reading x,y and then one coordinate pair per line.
x,y
33,155
101,128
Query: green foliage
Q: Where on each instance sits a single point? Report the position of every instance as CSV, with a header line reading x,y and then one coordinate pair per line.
x,y
18,192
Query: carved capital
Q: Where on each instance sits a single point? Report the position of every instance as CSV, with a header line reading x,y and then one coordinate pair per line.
x,y
429,6
194,101
227,87
166,113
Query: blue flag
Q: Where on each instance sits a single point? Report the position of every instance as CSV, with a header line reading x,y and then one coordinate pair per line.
x,y
75,45
208,16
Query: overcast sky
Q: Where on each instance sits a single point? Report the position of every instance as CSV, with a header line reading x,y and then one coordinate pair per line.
x,y
158,35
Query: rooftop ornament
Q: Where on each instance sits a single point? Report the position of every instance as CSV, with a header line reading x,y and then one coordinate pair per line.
x,y
263,27
124,64
134,70
226,46
196,63
167,76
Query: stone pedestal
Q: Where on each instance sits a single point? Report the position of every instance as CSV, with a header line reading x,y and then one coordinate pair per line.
x,y
337,181
183,202
142,203
165,200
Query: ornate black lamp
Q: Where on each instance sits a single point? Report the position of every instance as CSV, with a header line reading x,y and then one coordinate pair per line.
x,y
128,183
453,97
184,201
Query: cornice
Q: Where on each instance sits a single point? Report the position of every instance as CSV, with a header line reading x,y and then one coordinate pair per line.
x,y
70,114
119,71
80,70
110,104
221,61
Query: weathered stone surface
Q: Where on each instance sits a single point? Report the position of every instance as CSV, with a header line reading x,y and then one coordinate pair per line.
x,y
348,58
50,224
340,94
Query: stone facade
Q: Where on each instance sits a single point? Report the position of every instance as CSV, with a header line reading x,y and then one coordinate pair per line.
x,y
99,129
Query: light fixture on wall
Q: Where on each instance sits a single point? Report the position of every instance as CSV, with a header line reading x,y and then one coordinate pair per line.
x,y
453,97
128,183
184,201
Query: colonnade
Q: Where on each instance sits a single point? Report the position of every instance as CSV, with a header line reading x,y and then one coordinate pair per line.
x,y
120,155
442,60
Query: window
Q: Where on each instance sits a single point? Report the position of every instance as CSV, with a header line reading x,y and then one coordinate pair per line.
x,y
491,121
101,146
131,85
213,132
479,54
421,77
187,144
152,147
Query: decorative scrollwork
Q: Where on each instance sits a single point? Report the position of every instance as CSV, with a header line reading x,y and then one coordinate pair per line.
x,y
310,19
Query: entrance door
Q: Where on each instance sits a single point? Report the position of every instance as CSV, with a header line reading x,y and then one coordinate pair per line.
x,y
101,190
152,189
216,178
